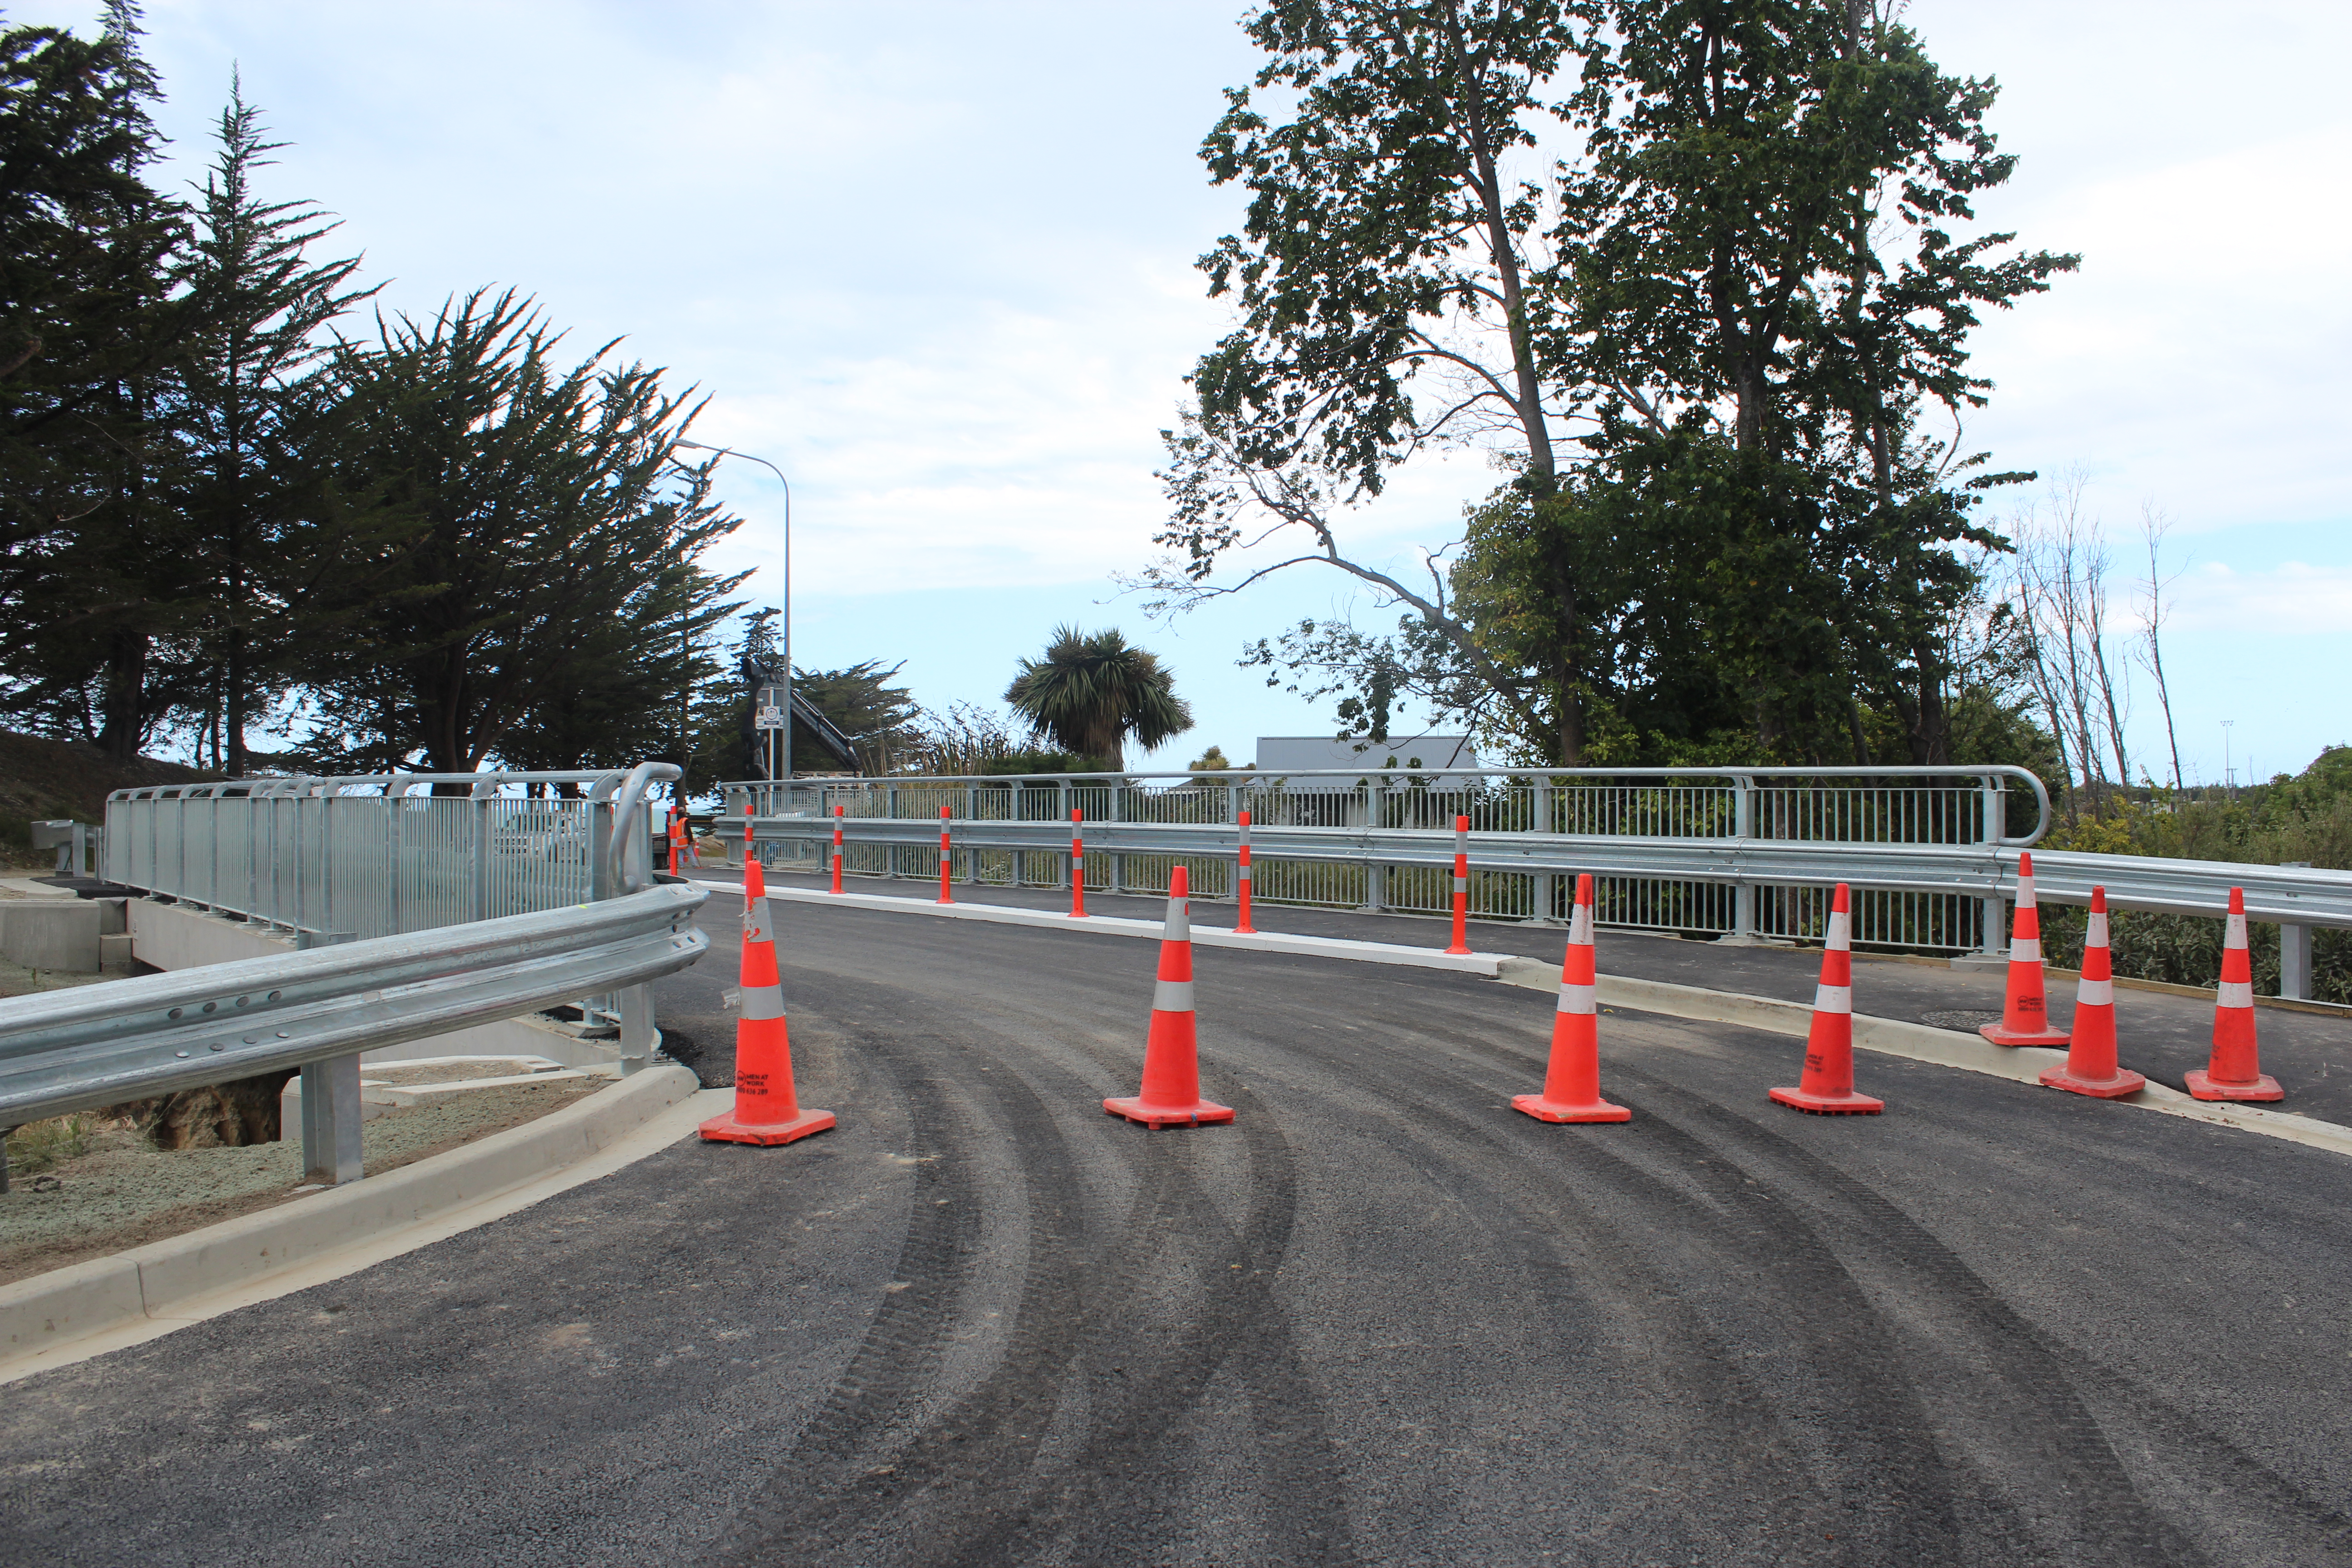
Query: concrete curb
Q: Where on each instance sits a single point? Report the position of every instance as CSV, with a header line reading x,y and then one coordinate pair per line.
x,y
161,1280
1485,965
1921,1043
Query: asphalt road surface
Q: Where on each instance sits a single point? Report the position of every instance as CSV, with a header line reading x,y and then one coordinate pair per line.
x,y
1380,1318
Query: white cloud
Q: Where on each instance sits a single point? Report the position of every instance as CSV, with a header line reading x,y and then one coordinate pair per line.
x,y
2296,599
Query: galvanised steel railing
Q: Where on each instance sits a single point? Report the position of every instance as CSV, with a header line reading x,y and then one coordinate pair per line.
x,y
337,860
1925,875
1683,857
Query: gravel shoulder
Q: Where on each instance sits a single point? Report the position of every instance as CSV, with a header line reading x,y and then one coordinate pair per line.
x,y
124,1193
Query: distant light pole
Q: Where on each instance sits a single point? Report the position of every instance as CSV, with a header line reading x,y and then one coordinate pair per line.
x,y
2229,780
731,452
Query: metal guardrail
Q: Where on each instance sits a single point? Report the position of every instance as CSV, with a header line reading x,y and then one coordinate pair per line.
x,y
1770,843
1691,849
126,1039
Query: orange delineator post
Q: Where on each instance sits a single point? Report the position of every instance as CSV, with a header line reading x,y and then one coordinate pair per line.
x,y
2235,1070
1241,881
2025,1009
1826,1086
1461,885
1171,1096
1077,867
767,1110
2090,1066
836,848
1571,1090
947,860
673,840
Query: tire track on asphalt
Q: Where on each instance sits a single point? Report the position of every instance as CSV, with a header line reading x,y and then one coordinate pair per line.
x,y
1235,1323
962,1489
2080,1474
1746,1432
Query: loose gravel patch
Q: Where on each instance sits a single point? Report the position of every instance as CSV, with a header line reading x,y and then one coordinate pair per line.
x,y
124,1193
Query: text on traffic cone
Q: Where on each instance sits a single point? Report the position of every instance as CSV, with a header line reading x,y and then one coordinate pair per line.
x,y
2025,1009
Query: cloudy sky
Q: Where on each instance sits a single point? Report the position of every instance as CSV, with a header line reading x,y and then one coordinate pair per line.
x,y
933,258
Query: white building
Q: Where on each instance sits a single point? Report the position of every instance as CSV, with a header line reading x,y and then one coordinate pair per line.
x,y
1428,753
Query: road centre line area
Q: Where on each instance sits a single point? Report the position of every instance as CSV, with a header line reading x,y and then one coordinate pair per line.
x,y
1379,1319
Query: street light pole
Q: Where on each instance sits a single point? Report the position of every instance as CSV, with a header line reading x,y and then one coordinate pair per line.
x,y
731,452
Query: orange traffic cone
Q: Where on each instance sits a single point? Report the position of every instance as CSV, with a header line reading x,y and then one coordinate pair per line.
x,y
2090,1066
1171,1062
2025,1017
766,1111
2235,1071
1826,1086
1571,1090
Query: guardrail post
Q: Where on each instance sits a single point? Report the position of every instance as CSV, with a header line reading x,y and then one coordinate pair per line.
x,y
639,1038
1546,889
2295,952
331,1120
480,901
1743,828
330,1101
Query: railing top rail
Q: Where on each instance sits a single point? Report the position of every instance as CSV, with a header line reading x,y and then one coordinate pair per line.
x,y
279,785
1237,775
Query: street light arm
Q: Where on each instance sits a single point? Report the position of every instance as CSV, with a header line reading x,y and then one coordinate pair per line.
x,y
731,452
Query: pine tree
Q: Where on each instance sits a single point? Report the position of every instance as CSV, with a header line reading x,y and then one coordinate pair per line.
x,y
90,319
243,390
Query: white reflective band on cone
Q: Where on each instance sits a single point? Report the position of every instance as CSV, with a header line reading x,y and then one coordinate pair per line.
x,y
1578,998
2025,950
1172,997
2234,935
1833,998
2095,994
755,923
2096,935
762,1002
2236,994
1580,926
1841,937
2025,893
1180,921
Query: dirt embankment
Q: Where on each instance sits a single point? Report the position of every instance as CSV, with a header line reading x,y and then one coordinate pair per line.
x,y
43,778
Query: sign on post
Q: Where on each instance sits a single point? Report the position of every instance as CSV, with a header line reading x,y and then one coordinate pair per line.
x,y
767,708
